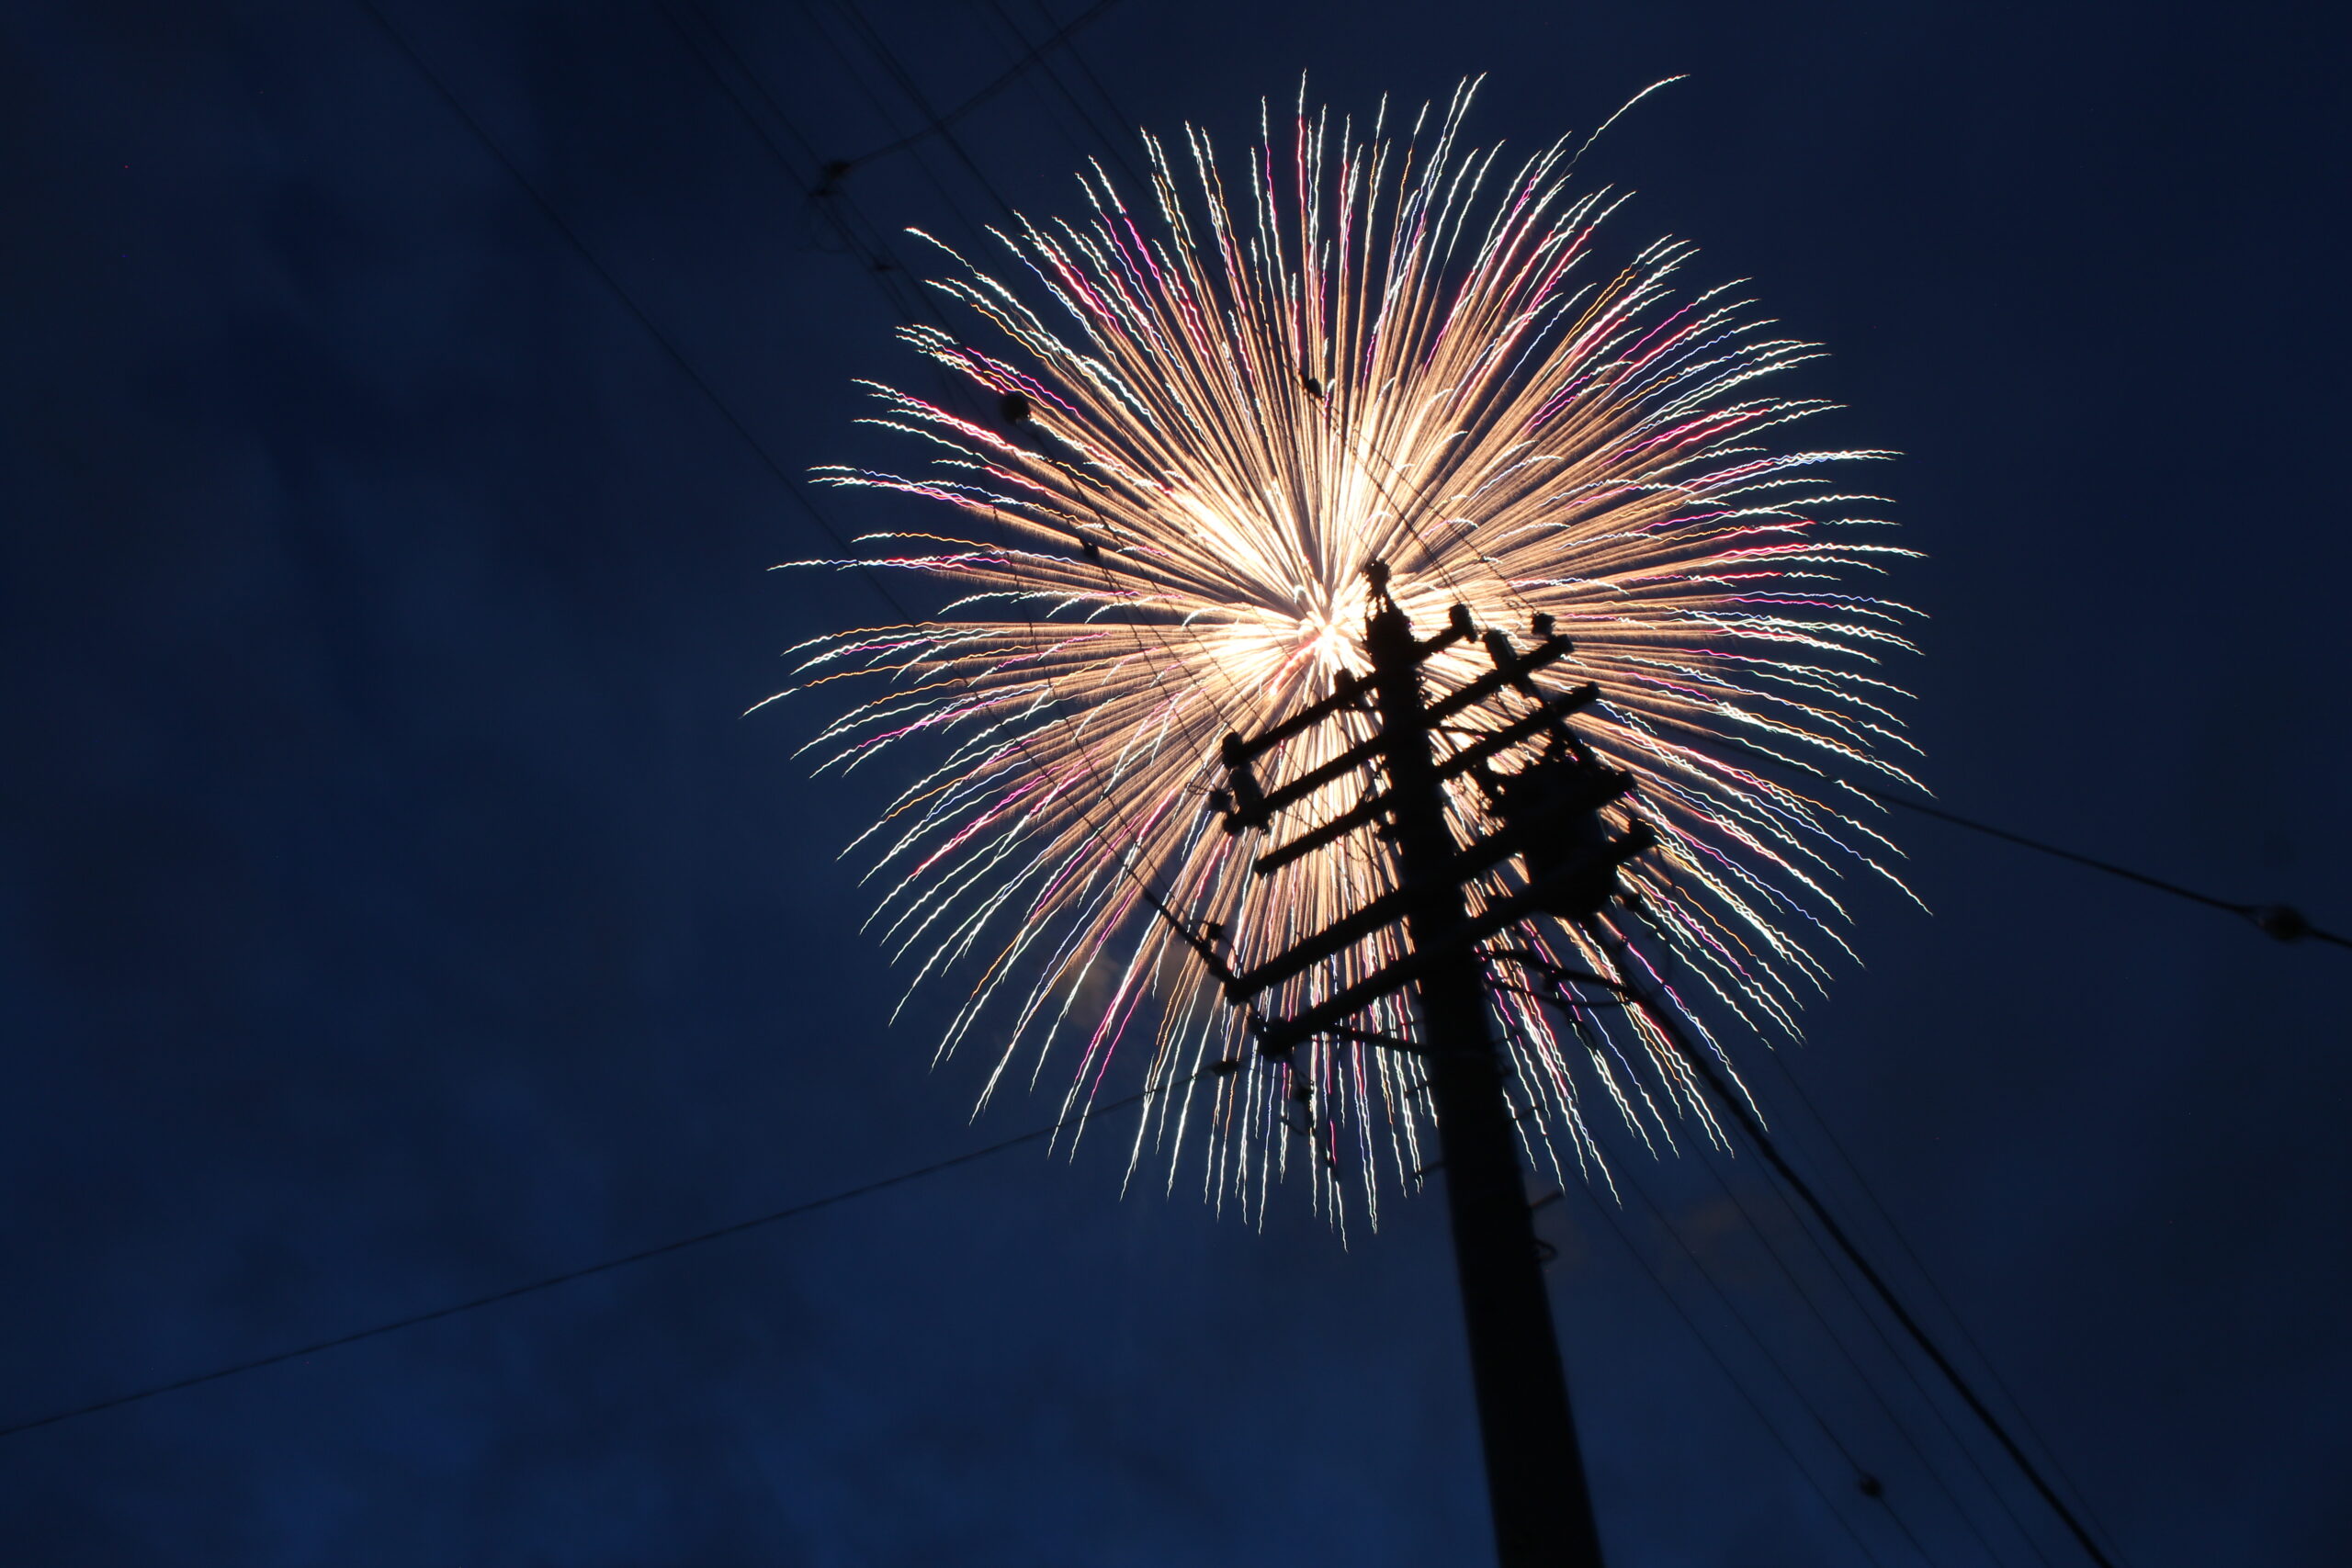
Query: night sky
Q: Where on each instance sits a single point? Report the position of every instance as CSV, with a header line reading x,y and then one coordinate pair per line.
x,y
398,906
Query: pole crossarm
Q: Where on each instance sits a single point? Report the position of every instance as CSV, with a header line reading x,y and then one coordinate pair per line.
x,y
1510,670
1256,808
1239,750
1470,757
1475,861
1277,1037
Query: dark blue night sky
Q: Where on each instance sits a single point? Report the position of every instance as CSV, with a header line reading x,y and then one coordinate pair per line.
x,y
397,906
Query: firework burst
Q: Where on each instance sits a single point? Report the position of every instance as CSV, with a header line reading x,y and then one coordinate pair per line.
x,y
1205,417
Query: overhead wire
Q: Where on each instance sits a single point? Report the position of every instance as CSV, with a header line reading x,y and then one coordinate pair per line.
x,y
1078,57
1736,1106
939,123
1100,136
2280,922
1748,1396
1863,1474
1846,1288
1865,1477
882,264
885,258
1805,1294
2048,1455
1139,629
835,172
1125,864
603,1266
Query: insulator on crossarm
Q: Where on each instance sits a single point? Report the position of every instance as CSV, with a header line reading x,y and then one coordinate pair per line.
x,y
1246,795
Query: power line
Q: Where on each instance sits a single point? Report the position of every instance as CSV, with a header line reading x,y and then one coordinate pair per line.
x,y
1762,1142
1805,1295
1095,128
550,1282
1125,865
1748,1395
1864,1475
2282,922
1764,1236
1926,1277
938,123
628,303
881,260
858,74
1078,58
1706,1276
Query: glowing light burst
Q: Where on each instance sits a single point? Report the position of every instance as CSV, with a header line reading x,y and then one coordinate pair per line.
x,y
1389,347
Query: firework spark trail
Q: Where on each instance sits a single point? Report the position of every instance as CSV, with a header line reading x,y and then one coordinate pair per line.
x,y
1390,349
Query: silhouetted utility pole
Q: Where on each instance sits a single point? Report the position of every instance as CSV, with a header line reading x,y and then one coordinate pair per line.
x,y
1549,808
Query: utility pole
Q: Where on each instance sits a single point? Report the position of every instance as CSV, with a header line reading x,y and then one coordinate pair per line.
x,y
1549,808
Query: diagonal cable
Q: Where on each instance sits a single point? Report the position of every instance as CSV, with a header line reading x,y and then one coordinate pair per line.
x,y
2282,922
1127,866
1761,1141
938,123
548,1282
